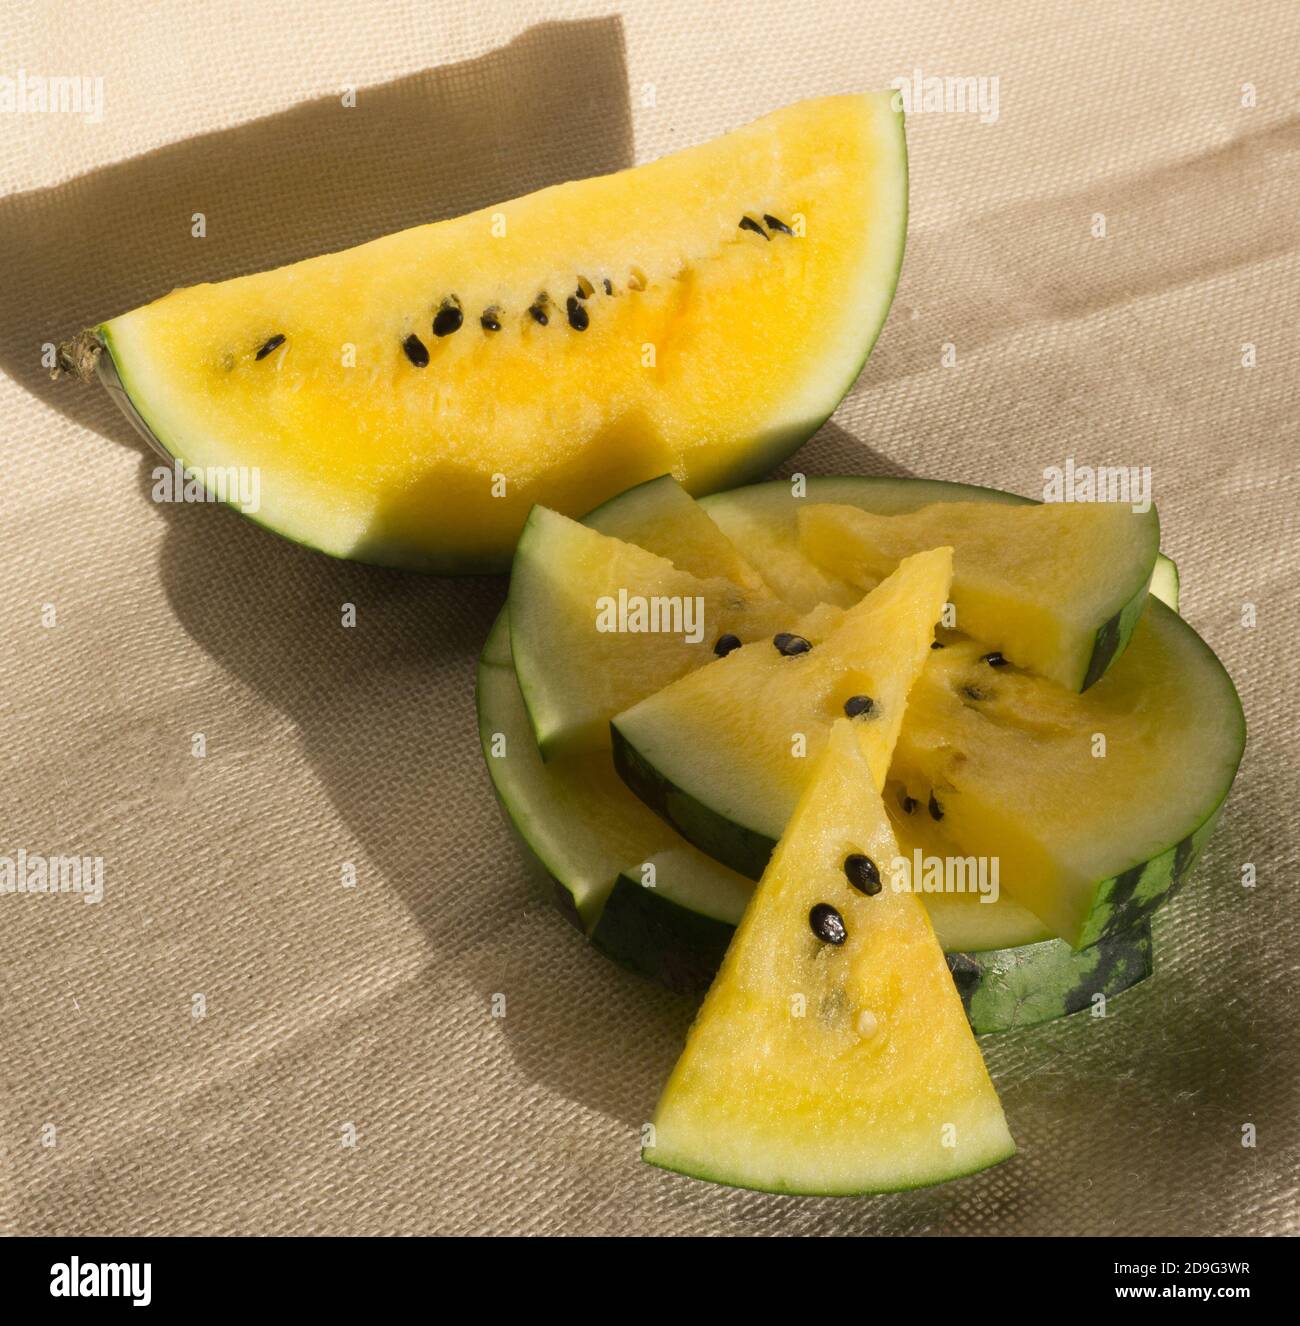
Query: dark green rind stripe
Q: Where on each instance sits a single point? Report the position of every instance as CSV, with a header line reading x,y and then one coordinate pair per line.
x,y
1129,899
1113,638
652,935
1020,987
745,850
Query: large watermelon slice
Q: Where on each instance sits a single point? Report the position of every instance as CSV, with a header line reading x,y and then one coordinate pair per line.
x,y
831,1055
408,401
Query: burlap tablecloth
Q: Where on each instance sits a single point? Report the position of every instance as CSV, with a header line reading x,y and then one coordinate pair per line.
x,y
370,1007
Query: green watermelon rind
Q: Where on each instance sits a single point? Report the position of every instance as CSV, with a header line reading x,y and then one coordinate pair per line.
x,y
976,1167
649,933
1113,637
1010,988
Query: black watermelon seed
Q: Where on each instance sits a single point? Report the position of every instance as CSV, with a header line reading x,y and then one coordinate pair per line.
x,y
448,318
725,644
578,318
862,873
416,351
827,924
537,309
585,289
274,343
995,660
856,705
775,223
936,644
908,803
491,319
748,223
609,286
790,645
936,810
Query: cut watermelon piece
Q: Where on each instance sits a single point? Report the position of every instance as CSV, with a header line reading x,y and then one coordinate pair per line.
x,y
831,1055
408,401
663,518
579,823
724,753
597,623
1096,805
1057,587
762,521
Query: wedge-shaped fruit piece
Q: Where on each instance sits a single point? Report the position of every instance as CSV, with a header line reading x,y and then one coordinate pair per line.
x,y
596,623
832,1055
382,393
762,522
1057,588
663,518
1095,805
723,754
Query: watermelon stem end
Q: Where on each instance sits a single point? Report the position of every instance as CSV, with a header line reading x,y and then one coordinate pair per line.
x,y
77,358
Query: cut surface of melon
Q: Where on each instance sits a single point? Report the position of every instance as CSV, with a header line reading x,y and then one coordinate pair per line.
x,y
1056,587
714,351
724,753
825,1068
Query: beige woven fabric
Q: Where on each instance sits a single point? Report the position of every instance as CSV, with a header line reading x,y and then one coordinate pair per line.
x,y
369,1006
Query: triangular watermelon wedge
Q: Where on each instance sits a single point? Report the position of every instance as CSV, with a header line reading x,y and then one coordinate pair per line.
x,y
725,751
831,1055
